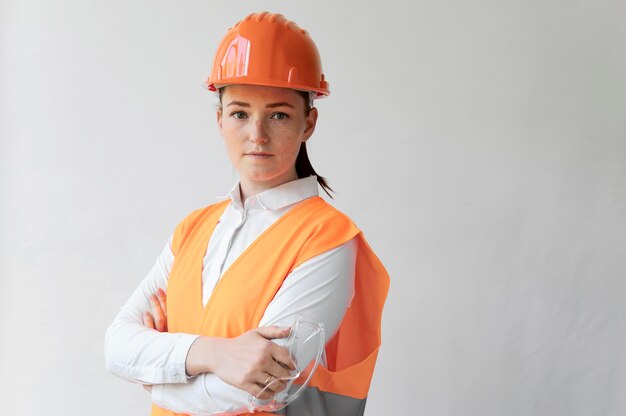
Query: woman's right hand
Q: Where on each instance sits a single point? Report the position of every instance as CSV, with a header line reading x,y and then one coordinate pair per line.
x,y
250,361
157,320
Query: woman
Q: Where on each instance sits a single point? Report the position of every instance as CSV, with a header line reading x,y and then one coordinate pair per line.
x,y
235,274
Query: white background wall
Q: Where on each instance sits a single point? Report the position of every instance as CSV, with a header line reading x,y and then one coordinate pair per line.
x,y
480,146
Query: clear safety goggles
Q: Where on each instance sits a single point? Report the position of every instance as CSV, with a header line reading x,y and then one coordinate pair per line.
x,y
306,339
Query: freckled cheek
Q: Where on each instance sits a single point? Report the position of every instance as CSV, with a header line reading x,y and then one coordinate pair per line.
x,y
230,129
233,138
283,129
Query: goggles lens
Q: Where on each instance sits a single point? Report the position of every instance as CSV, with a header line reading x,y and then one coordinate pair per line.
x,y
306,339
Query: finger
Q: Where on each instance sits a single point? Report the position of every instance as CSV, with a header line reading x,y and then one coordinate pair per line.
x,y
257,390
267,391
159,317
282,357
276,385
162,301
271,382
277,370
147,320
273,332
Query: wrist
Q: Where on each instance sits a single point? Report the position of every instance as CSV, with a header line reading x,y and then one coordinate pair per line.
x,y
201,356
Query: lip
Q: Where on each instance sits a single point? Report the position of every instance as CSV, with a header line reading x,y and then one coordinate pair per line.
x,y
259,154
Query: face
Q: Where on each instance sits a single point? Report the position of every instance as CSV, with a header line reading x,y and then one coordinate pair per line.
x,y
263,128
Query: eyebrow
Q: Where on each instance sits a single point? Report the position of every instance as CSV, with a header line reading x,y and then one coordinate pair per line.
x,y
272,105
281,104
239,103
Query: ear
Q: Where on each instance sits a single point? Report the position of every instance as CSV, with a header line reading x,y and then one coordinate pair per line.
x,y
311,121
219,118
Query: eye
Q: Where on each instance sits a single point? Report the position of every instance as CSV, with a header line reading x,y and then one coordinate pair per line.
x,y
280,116
239,115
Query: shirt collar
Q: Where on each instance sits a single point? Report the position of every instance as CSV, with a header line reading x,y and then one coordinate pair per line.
x,y
280,196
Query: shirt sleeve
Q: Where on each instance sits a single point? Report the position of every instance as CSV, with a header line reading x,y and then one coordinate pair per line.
x,y
140,354
320,288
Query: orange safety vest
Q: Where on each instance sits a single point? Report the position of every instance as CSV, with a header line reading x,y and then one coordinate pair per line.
x,y
244,291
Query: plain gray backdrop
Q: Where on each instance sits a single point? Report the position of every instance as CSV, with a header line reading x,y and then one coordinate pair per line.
x,y
479,145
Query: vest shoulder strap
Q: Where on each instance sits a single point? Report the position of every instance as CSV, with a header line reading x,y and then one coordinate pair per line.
x,y
186,226
325,228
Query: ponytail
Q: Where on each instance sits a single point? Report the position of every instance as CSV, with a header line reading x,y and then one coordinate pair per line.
x,y
305,169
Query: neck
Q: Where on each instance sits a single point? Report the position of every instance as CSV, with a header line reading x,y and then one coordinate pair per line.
x,y
248,188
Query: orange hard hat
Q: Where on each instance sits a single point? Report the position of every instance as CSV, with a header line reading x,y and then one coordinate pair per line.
x,y
267,49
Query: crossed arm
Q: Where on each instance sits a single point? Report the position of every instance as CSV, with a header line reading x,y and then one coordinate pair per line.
x,y
226,370
237,361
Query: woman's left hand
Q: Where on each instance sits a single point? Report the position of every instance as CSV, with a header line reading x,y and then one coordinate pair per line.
x,y
157,320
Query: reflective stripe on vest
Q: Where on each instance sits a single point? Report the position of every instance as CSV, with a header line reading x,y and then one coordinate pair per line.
x,y
238,302
314,402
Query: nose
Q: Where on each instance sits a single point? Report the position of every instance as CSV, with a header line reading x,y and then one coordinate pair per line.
x,y
258,132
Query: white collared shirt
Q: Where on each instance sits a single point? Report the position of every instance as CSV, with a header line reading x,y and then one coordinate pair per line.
x,y
321,288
